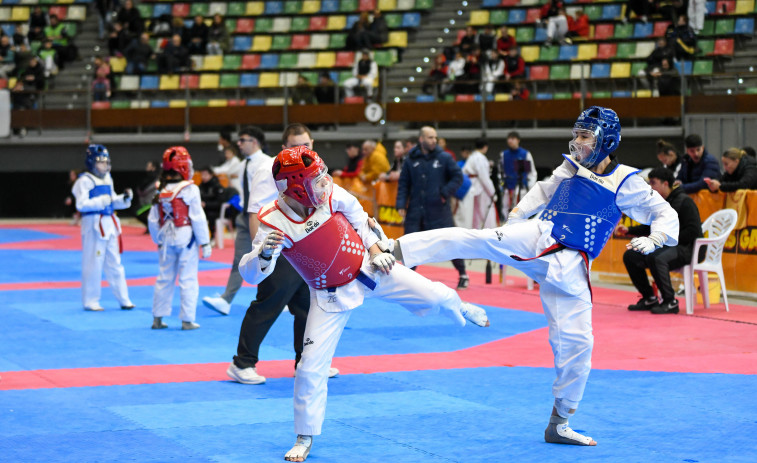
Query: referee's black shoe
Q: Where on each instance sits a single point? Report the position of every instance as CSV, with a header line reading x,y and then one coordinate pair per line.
x,y
644,304
666,307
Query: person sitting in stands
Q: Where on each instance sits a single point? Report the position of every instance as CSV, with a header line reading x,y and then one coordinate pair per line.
x,y
740,172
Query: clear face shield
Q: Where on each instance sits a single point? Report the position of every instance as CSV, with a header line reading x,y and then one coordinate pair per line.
x,y
582,146
102,166
319,188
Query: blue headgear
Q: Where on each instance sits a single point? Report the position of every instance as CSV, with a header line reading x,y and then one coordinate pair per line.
x,y
605,125
96,153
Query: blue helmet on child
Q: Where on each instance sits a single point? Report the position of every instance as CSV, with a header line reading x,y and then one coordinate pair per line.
x,y
95,154
604,124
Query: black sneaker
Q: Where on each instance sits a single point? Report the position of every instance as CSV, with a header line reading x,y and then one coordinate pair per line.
x,y
644,304
666,307
463,282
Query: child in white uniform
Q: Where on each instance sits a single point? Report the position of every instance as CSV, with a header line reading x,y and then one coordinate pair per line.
x,y
100,230
178,226
324,233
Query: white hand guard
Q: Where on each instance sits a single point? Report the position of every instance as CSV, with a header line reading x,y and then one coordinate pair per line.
x,y
647,244
128,194
207,250
385,243
383,262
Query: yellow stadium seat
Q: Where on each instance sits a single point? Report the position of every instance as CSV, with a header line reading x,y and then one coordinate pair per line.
x,y
212,63
261,43
117,64
502,97
620,70
479,18
387,5
643,93
12,82
311,6
587,51
254,9
325,59
169,82
218,103
72,1
268,80
336,23
20,13
397,39
744,7
209,80
529,53
177,104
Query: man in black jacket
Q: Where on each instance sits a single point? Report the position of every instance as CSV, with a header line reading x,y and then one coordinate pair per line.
x,y
662,260
428,179
697,165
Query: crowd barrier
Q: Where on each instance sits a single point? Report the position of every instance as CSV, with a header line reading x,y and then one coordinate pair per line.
x,y
739,256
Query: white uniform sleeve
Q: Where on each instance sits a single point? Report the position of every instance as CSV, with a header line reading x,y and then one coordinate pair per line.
x,y
262,188
344,202
84,203
254,269
153,224
532,176
191,196
641,203
119,201
538,196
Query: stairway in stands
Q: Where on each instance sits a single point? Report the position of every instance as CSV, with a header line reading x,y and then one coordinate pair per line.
x,y
740,72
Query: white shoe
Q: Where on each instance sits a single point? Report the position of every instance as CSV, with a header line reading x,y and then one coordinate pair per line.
x,y
218,304
244,375
475,314
558,432
301,449
96,308
332,371
189,325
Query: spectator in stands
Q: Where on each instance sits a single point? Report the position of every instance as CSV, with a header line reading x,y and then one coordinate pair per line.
x,y
654,61
515,66
641,8
175,57
662,260
672,9
303,92
740,172
131,19
469,42
62,41
487,39
442,143
101,83
7,57
22,97
354,162
22,58
178,27
49,57
557,27
374,161
505,42
455,72
578,27
668,79
436,76
668,156
359,36
519,91
494,71
326,90
212,196
682,38
38,21
118,40
364,74
103,8
20,36
197,37
34,75
218,36
231,167
696,12
470,81
427,181
161,26
401,147
696,165
378,30
138,54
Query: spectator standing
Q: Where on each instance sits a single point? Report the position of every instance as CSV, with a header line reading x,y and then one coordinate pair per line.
x,y
682,38
740,172
131,19
197,37
175,57
662,260
494,71
38,21
668,79
359,37
519,170
697,164
364,74
375,161
487,39
429,178
103,8
138,54
668,156
378,30
354,162
101,81
118,40
218,36
7,57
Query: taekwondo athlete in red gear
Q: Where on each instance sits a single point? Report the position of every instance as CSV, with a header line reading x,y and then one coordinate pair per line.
x,y
553,235
100,230
178,226
322,230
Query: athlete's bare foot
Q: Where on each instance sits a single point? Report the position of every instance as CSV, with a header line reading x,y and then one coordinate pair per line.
x,y
301,449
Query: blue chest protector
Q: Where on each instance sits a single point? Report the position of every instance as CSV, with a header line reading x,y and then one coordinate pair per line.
x,y
513,167
100,190
583,208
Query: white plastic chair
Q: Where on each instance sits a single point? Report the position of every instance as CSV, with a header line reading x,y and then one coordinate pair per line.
x,y
718,227
221,224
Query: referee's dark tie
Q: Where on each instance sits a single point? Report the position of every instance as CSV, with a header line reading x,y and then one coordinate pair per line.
x,y
246,187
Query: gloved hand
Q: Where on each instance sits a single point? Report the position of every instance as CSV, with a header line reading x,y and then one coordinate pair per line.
x,y
104,200
128,194
272,241
647,244
383,261
206,251
385,243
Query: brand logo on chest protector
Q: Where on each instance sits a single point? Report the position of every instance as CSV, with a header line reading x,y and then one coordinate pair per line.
x,y
311,225
597,179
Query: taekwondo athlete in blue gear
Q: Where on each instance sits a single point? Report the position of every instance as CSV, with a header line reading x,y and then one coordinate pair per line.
x,y
552,235
100,230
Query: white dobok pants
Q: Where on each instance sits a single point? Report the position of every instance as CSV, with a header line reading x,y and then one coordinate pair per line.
x,y
176,261
100,254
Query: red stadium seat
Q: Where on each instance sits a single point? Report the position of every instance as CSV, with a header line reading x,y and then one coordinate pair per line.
x,y
300,42
190,81
532,14
245,26
367,5
604,31
659,28
59,11
345,59
465,98
723,47
354,99
180,10
725,7
539,72
607,50
251,61
318,23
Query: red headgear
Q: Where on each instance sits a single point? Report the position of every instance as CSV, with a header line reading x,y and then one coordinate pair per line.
x,y
177,158
299,173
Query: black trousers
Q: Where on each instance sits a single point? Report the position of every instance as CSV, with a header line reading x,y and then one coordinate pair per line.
x,y
282,287
659,264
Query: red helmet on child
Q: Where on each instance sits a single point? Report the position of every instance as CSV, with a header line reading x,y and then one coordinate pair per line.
x,y
177,158
302,175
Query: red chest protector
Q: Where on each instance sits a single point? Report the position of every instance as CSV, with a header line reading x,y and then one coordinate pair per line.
x,y
326,251
173,208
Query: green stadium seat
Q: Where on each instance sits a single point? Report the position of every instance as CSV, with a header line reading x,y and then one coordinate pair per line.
x,y
311,77
626,50
263,25
292,7
199,8
524,34
145,10
281,42
708,29
724,26
498,17
236,9
637,66
229,81
300,23
559,71
384,57
348,6
548,53
702,67
231,62
562,96
337,41
601,94
424,4
120,104
594,12
706,46
288,60
393,20
624,31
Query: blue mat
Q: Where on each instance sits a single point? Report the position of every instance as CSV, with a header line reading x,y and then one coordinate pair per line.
x,y
20,235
